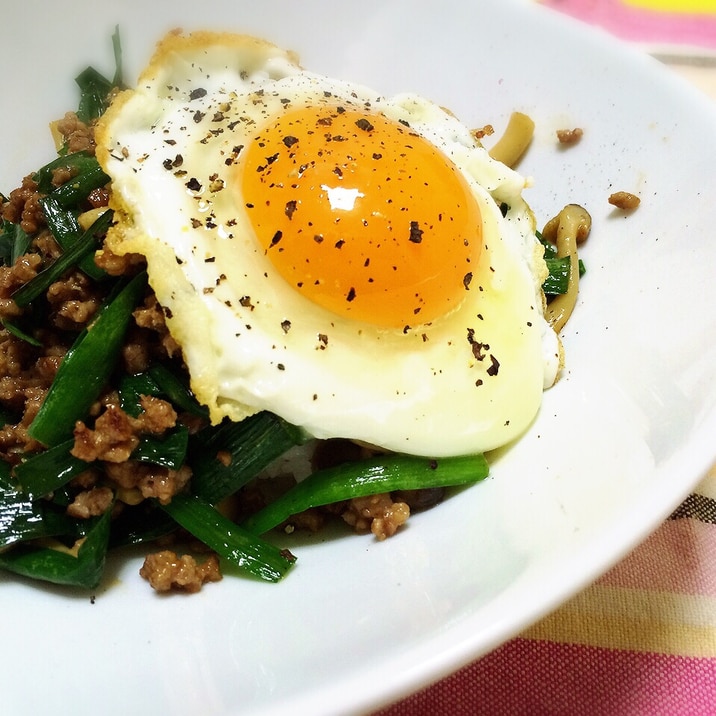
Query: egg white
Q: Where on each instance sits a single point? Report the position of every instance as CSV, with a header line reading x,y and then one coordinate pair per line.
x,y
468,382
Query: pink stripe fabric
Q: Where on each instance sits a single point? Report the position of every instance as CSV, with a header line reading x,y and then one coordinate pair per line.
x,y
643,25
535,678
687,550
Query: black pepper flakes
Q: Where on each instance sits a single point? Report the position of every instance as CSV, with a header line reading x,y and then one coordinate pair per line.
x,y
364,124
416,233
350,296
290,208
193,184
289,141
197,93
198,116
286,325
276,238
494,366
467,278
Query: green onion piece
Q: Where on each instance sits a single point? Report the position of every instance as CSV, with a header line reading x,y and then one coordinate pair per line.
x,y
228,540
168,451
118,79
86,366
66,229
49,470
177,391
131,388
557,282
19,333
81,162
78,188
250,446
21,519
368,477
81,248
94,92
141,523
14,242
52,565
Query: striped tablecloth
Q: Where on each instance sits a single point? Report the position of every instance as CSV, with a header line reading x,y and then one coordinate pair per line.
x,y
640,641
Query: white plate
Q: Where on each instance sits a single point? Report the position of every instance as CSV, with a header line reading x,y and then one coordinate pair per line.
x,y
620,440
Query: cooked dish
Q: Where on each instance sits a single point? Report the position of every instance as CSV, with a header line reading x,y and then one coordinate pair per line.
x,y
241,270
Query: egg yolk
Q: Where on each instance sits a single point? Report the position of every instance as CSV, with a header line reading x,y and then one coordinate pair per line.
x,y
362,215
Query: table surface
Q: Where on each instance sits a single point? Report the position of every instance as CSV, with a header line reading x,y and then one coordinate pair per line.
x,y
641,640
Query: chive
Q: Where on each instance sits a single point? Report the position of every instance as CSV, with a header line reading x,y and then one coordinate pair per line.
x,y
66,229
228,540
131,388
368,477
168,451
81,162
86,366
94,92
19,333
81,248
14,242
141,523
78,188
52,565
48,470
22,519
118,79
176,390
249,445
557,281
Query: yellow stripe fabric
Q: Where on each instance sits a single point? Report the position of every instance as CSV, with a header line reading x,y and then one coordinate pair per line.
x,y
634,619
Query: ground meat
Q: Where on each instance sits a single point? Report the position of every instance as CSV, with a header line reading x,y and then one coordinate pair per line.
x,y
62,175
113,438
11,278
157,415
149,480
116,265
74,299
91,503
624,200
23,207
76,135
569,136
116,434
166,571
377,513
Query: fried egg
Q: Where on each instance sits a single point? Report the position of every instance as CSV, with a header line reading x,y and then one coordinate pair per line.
x,y
352,262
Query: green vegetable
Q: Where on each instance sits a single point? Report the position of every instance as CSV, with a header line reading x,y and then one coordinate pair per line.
x,y
368,477
52,565
78,188
250,445
168,451
49,470
66,229
80,162
95,88
21,519
87,366
82,247
228,540
14,242
557,281
19,333
176,390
